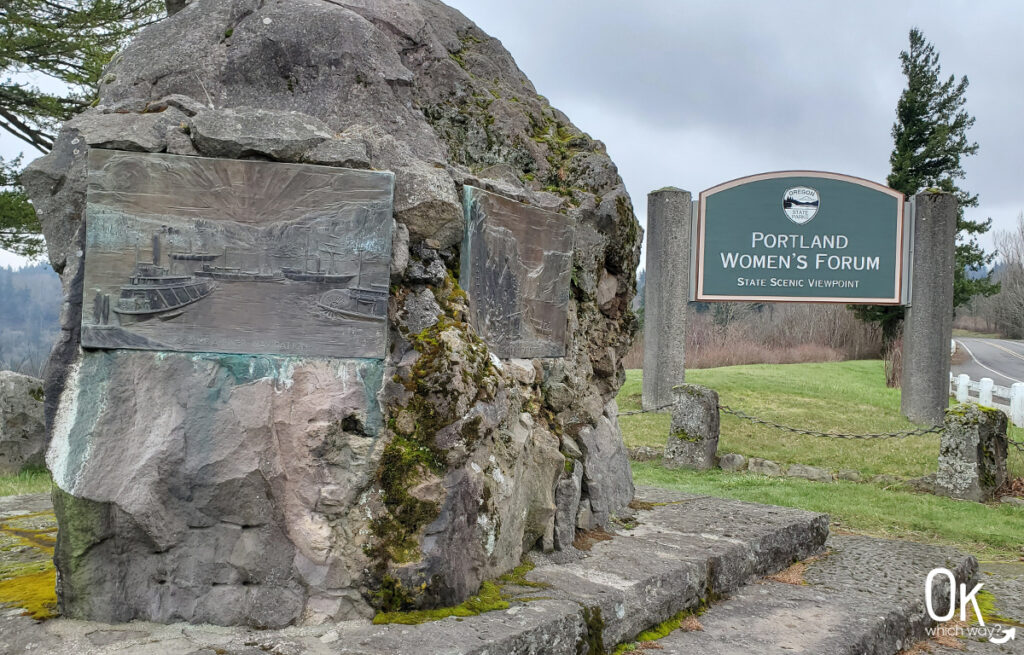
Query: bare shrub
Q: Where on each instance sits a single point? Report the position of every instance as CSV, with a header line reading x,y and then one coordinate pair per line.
x,y
635,357
894,365
749,352
729,334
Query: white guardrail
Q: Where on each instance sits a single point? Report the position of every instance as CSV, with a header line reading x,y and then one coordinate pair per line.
x,y
990,394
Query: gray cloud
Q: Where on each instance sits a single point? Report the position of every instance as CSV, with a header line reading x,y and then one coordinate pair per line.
x,y
695,93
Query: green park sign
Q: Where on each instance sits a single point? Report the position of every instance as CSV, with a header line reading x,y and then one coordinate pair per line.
x,y
800,236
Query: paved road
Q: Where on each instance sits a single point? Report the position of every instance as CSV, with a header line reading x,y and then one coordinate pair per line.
x,y
999,359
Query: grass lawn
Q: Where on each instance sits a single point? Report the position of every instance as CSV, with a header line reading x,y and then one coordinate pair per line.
x,y
990,532
846,397
29,482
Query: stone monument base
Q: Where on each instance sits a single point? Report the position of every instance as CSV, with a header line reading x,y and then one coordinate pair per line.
x,y
680,553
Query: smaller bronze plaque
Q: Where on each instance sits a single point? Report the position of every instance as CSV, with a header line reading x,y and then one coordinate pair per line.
x,y
229,256
516,268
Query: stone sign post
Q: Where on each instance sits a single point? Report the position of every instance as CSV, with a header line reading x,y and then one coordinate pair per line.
x,y
972,455
928,327
669,216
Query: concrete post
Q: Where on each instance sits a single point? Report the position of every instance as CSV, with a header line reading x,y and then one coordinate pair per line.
x,y
963,388
928,327
693,435
1017,404
669,216
985,392
972,453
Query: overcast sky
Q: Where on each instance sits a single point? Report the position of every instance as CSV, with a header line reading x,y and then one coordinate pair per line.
x,y
691,94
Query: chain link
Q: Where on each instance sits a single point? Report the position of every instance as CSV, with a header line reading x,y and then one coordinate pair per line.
x,y
725,409
646,411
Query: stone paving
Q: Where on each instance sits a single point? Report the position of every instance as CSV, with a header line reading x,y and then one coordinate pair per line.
x,y
863,595
680,550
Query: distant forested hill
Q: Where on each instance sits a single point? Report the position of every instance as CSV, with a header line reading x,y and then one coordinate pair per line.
x,y
30,300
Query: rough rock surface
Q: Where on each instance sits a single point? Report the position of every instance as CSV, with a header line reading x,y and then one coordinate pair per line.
x,y
466,468
684,550
760,466
693,435
972,454
812,473
732,462
850,475
22,434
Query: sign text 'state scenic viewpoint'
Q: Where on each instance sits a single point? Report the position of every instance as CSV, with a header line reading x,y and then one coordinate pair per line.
x,y
800,236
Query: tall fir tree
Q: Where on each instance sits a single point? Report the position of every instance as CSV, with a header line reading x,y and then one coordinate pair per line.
x,y
65,44
930,143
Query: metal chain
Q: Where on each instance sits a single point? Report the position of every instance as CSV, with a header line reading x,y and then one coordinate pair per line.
x,y
725,409
646,411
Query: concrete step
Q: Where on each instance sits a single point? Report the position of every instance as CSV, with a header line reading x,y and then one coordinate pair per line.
x,y
681,550
863,597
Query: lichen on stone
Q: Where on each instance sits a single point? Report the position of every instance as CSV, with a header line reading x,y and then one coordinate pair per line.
x,y
413,455
27,575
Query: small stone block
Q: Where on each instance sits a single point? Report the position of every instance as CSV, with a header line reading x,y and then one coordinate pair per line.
x,y
764,467
732,462
812,473
693,436
972,455
850,475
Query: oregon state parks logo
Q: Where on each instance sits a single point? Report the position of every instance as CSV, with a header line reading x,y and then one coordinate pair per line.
x,y
801,204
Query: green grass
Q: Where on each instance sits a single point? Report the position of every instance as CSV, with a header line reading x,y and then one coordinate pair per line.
x,y
26,482
988,531
957,332
849,397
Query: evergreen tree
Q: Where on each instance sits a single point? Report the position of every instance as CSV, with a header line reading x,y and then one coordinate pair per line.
x,y
19,227
65,43
930,142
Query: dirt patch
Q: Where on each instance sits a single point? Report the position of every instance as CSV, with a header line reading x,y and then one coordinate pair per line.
x,y
641,505
794,575
585,539
960,356
945,637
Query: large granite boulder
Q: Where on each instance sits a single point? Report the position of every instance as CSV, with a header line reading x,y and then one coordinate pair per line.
x,y
22,437
271,490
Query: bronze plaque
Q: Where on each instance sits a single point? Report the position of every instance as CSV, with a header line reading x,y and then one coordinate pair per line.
x,y
516,267
229,256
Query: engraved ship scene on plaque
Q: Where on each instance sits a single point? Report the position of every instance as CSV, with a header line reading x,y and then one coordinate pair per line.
x,y
251,257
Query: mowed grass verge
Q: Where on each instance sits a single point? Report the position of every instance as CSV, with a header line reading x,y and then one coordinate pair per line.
x,y
847,397
990,532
